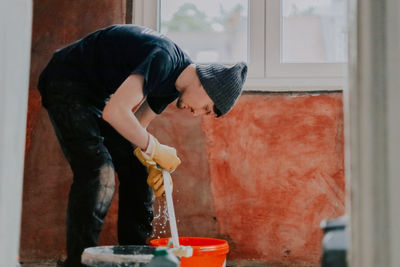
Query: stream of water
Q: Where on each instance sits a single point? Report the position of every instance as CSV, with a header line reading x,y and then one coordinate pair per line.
x,y
170,207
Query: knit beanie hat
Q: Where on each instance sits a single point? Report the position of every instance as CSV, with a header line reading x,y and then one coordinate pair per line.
x,y
223,84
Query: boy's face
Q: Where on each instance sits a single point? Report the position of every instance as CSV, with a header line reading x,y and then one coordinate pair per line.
x,y
197,101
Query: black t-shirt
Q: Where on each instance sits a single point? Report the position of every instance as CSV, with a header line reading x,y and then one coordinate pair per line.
x,y
102,60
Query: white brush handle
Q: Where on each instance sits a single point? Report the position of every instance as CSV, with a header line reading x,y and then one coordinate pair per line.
x,y
170,207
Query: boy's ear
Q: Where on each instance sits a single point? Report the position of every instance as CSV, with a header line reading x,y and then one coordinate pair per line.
x,y
217,111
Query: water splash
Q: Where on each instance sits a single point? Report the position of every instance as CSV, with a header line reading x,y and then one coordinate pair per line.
x,y
160,222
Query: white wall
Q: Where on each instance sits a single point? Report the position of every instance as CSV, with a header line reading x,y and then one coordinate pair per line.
x,y
15,43
373,161
393,99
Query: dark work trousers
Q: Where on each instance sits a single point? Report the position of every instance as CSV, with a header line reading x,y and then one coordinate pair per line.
x,y
94,151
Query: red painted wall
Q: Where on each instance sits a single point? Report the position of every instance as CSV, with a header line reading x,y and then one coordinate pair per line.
x,y
57,23
276,167
263,177
47,177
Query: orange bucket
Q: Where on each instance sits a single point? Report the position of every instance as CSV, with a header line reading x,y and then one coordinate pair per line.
x,y
207,252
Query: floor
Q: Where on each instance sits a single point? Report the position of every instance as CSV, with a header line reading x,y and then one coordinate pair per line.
x,y
229,264
41,264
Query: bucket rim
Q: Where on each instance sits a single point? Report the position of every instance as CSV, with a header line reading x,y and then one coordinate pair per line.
x,y
219,246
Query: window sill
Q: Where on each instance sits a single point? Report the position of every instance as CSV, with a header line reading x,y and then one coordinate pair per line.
x,y
294,84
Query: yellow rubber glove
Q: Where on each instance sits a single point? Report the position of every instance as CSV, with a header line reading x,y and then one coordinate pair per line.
x,y
156,153
156,181
144,158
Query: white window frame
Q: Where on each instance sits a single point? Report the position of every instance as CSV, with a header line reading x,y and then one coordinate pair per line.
x,y
266,72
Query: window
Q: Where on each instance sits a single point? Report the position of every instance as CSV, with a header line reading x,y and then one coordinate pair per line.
x,y
207,35
288,44
313,31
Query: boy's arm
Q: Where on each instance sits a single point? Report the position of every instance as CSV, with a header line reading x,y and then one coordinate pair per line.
x,y
118,111
145,114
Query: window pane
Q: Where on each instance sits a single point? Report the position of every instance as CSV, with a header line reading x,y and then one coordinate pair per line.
x,y
208,30
314,31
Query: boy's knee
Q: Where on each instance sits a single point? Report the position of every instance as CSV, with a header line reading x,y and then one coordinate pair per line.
x,y
90,160
106,189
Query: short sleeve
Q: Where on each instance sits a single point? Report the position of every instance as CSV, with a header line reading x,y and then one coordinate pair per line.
x,y
159,103
155,69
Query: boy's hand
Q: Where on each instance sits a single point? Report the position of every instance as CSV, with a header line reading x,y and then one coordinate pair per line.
x,y
156,181
158,154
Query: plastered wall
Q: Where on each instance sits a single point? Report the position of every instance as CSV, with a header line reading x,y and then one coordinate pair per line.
x,y
263,177
276,168
47,177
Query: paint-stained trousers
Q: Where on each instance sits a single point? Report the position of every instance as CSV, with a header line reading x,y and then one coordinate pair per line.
x,y
94,151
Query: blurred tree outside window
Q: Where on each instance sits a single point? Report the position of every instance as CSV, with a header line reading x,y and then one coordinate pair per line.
x,y
313,31
208,30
